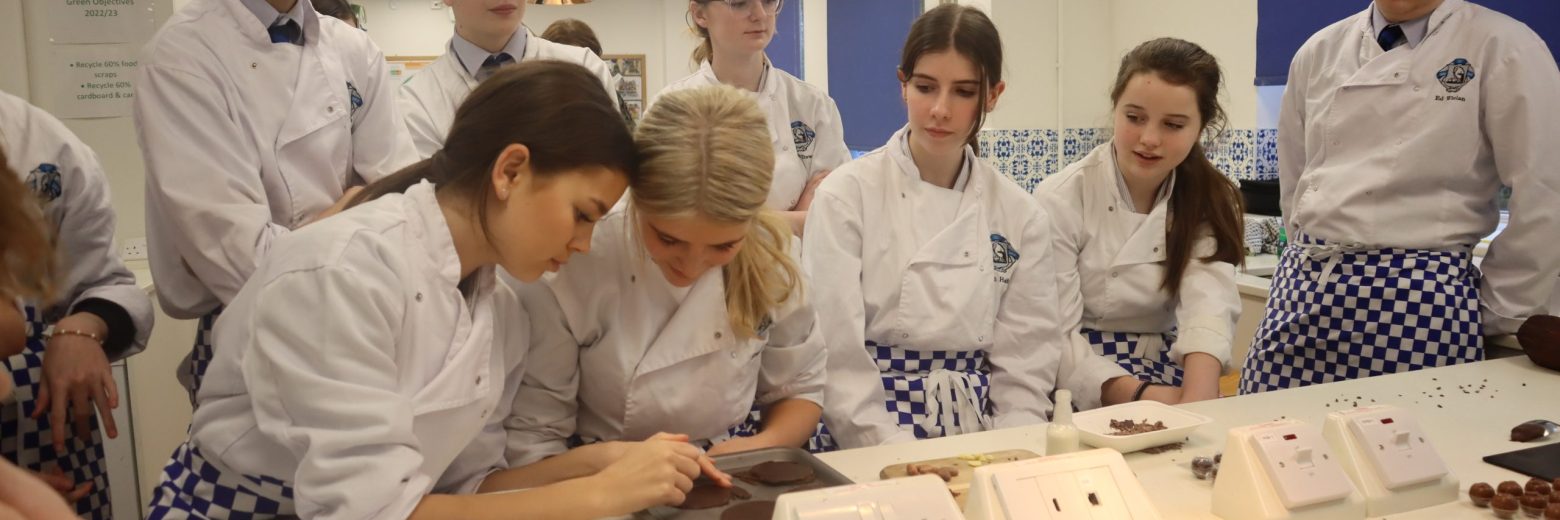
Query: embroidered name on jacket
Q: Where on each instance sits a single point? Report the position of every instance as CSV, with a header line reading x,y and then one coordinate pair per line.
x,y
1003,256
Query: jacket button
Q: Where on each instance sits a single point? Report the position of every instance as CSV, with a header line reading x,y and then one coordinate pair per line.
x,y
793,203
980,338
1156,250
633,278
479,380
419,296
966,254
1110,208
1114,274
717,334
330,110
904,336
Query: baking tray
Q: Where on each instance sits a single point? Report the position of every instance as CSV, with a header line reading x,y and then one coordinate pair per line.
x,y
960,484
824,476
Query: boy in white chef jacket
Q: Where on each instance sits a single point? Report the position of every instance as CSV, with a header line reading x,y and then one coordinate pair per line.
x,y
1148,231
255,118
689,315
362,365
26,274
98,315
488,35
929,268
804,125
1398,127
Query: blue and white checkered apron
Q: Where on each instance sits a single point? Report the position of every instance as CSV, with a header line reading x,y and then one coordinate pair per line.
x,y
200,357
1122,347
1338,313
194,487
27,442
935,392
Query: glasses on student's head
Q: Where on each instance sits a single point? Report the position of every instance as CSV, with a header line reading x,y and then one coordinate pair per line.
x,y
768,7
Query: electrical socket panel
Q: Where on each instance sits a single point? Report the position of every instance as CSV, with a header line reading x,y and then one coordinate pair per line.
x,y
1397,448
1083,485
133,249
1391,459
1283,469
923,497
1300,465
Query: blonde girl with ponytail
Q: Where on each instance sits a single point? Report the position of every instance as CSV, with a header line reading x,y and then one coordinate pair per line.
x,y
688,315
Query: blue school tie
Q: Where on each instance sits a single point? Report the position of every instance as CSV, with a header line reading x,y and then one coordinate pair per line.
x,y
286,32
491,65
1391,37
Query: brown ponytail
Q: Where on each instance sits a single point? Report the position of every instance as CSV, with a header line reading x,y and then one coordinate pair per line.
x,y
557,109
1203,200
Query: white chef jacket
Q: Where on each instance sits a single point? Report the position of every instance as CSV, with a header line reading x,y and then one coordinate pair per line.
x,y
1110,262
41,150
804,125
617,358
245,140
879,278
429,99
1407,148
353,367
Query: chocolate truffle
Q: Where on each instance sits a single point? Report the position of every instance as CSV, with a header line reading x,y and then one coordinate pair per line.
x,y
1480,494
1533,504
1509,487
1526,432
1505,506
1536,486
758,510
1553,512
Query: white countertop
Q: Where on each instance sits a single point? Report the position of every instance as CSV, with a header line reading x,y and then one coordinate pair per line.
x,y
1463,427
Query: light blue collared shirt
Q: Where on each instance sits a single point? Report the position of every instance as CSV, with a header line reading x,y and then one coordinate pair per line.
x,y
269,16
471,56
1413,30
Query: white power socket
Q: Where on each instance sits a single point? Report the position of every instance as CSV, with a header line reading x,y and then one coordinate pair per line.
x,y
923,497
1082,485
133,249
1282,469
1391,459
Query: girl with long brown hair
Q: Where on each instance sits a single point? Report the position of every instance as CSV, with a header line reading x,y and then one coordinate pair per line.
x,y
1148,232
929,266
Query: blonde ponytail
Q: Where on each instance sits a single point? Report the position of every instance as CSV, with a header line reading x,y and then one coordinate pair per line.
x,y
705,51
706,152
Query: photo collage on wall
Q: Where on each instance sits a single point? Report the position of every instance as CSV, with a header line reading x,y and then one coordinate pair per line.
x,y
629,72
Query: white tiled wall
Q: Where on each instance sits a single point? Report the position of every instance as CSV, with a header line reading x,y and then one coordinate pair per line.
x,y
1030,155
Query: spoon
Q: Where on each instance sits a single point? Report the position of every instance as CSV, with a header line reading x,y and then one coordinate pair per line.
x,y
1533,430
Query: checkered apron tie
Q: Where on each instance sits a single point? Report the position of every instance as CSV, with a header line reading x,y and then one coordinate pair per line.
x,y
194,487
936,393
193,370
1340,312
27,442
1144,355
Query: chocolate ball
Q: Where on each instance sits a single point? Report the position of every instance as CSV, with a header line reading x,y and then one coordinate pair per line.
x,y
1554,497
1509,487
1505,505
1533,504
1553,512
1536,486
1481,493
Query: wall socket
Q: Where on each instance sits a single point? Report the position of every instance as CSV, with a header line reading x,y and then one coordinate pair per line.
x,y
133,249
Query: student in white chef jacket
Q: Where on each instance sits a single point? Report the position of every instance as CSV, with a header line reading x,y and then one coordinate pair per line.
x,y
804,124
488,35
1398,127
96,316
255,118
1148,231
28,273
929,268
362,366
689,314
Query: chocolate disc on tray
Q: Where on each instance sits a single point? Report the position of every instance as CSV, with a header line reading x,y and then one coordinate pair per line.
x,y
757,510
780,473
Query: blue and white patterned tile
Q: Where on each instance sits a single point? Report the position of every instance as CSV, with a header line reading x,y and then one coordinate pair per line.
x,y
1233,153
1043,153
1267,155
1078,142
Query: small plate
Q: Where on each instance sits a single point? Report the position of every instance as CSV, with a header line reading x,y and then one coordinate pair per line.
x,y
1094,425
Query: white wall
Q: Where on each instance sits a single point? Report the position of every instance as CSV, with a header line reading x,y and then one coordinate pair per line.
x,y
1226,28
1029,44
655,28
